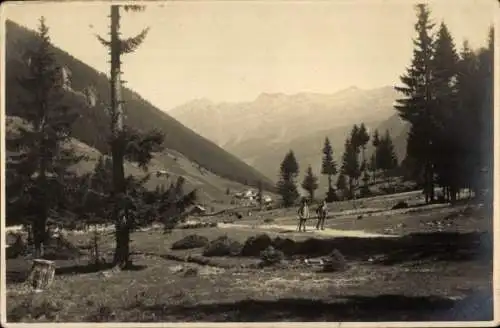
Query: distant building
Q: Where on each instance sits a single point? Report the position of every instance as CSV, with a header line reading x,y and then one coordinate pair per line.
x,y
198,210
267,200
162,173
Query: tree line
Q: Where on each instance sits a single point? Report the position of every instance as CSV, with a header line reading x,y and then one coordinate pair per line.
x,y
447,99
354,167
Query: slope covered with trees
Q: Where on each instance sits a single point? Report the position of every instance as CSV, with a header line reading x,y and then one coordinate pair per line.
x,y
91,127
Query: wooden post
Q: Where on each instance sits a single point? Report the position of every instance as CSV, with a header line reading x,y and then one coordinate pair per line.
x,y
42,274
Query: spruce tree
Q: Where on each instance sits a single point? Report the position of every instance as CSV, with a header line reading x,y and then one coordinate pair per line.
x,y
446,151
363,138
39,171
125,142
416,107
373,159
373,164
328,166
287,188
310,183
259,194
486,109
341,184
468,120
386,156
350,165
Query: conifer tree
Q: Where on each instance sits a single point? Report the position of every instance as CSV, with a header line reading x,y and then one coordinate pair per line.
x,y
468,120
363,138
350,165
287,188
341,183
310,183
416,107
386,156
445,129
259,194
485,105
126,143
373,164
328,166
39,171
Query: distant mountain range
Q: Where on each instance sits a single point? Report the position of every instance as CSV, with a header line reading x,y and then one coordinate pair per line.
x,y
261,131
187,152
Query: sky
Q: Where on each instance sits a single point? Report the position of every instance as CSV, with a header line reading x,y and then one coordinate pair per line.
x,y
236,50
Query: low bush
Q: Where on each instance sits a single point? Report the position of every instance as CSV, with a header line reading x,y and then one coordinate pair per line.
x,y
335,261
286,245
254,245
222,246
190,241
17,248
59,248
400,205
271,256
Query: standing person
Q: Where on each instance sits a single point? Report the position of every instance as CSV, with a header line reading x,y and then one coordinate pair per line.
x,y
322,214
303,213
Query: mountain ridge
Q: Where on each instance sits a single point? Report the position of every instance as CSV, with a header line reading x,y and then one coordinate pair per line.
x,y
261,131
91,128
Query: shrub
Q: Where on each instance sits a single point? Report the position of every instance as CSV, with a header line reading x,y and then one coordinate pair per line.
x,y
59,248
254,245
287,245
400,205
190,272
335,261
17,249
222,246
29,309
312,246
271,256
190,241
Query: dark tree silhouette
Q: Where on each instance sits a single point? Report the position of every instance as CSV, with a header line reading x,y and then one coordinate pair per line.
x,y
287,187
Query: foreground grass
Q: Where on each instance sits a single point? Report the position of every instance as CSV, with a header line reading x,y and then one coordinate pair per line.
x,y
157,293
425,281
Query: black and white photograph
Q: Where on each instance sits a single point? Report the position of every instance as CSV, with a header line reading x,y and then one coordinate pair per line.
x,y
231,162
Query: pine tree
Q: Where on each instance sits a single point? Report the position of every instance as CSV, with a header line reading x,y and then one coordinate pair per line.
x,y
341,183
126,143
259,194
350,165
376,138
39,171
445,132
485,108
416,107
373,164
386,156
328,166
373,159
355,137
467,120
310,183
365,190
289,170
363,138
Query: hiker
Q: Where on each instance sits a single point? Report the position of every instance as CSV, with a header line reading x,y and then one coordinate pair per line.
x,y
322,213
303,213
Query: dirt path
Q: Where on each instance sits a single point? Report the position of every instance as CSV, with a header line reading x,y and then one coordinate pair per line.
x,y
311,230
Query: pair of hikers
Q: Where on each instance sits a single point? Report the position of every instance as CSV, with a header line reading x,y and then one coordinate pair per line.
x,y
303,212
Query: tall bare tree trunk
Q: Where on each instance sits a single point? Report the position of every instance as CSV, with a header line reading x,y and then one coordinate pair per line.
x,y
120,218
